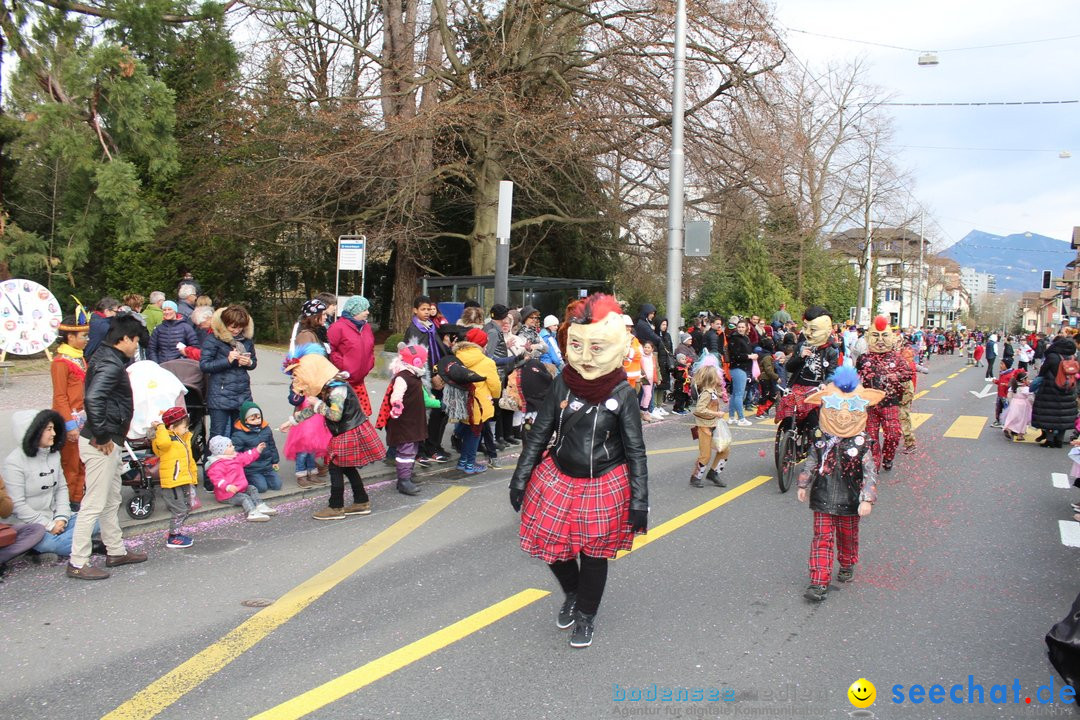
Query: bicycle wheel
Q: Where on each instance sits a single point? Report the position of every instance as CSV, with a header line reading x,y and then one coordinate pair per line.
x,y
789,459
780,430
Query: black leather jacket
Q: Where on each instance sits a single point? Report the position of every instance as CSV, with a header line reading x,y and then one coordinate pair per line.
x,y
815,370
841,474
107,397
590,440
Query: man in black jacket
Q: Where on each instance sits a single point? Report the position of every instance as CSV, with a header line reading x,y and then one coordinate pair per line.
x,y
109,407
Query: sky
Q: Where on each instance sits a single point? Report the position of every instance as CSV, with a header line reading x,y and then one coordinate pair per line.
x,y
1022,186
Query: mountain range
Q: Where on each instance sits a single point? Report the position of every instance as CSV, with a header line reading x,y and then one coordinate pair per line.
x,y
1016,261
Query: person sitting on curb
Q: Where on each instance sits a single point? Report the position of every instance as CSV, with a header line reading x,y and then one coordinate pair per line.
x,y
36,481
252,430
225,468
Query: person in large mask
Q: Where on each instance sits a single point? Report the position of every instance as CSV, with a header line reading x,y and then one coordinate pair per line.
x,y
810,366
585,499
883,368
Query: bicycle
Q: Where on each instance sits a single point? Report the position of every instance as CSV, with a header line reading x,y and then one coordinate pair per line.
x,y
793,439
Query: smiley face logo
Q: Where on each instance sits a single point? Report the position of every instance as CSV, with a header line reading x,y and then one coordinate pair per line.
x,y
862,693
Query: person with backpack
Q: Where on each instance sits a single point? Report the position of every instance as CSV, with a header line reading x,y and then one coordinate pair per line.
x,y
1054,411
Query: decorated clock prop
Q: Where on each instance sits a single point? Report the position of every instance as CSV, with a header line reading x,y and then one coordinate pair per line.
x,y
29,317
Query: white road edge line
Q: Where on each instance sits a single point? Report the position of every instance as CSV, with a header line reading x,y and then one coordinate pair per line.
x,y
1070,532
1061,481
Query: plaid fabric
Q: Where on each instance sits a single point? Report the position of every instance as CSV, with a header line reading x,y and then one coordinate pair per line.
x,y
832,532
887,419
356,448
562,516
792,404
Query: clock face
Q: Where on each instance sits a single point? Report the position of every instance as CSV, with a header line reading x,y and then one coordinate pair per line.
x,y
29,317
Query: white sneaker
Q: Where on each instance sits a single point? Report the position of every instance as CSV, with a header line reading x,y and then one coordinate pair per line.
x,y
659,412
744,422
256,516
265,509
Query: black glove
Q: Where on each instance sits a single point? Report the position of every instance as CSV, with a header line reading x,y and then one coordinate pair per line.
x,y
516,496
639,520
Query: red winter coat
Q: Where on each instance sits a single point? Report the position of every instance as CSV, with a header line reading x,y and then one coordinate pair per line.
x,y
351,349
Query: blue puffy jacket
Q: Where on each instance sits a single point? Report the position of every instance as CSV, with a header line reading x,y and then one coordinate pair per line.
x,y
245,438
228,384
165,336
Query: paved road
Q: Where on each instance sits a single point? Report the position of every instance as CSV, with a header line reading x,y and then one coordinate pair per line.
x,y
963,570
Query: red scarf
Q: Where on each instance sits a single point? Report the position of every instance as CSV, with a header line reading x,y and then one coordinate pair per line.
x,y
592,391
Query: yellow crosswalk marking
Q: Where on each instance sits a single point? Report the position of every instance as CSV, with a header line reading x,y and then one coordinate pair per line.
x,y
692,514
918,419
966,426
173,685
364,675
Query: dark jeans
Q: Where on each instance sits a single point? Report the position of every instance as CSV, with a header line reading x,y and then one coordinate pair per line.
x,y
436,428
221,422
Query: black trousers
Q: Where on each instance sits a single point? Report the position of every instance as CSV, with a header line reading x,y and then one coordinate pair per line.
x,y
337,486
587,580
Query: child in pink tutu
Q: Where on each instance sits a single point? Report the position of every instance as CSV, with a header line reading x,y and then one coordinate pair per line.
x,y
308,440
305,442
1018,415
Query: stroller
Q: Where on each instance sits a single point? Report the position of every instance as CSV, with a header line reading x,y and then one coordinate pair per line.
x,y
140,470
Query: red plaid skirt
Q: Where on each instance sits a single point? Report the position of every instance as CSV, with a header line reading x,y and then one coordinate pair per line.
x,y
356,448
792,404
562,516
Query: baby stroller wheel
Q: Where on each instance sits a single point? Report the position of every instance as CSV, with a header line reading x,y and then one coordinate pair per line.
x,y
140,505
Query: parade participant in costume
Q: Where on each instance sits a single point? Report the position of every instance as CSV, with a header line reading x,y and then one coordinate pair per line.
x,y
838,478
68,371
811,365
883,368
584,499
354,442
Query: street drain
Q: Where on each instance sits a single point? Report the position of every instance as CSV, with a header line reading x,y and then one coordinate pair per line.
x,y
257,602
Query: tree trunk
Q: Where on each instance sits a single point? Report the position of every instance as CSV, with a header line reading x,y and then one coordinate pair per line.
x,y
485,217
406,277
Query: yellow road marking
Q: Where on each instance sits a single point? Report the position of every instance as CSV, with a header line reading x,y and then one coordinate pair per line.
x,y
694,513
918,419
950,377
966,426
185,677
368,673
939,383
963,369
920,394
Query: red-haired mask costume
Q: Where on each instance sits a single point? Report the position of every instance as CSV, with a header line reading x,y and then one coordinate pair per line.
x,y
883,368
581,482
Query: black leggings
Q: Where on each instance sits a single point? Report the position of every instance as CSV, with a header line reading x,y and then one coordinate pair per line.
x,y
587,581
337,486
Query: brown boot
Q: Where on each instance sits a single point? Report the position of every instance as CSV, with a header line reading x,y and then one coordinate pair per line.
x,y
330,514
129,558
302,481
323,471
358,509
315,478
86,572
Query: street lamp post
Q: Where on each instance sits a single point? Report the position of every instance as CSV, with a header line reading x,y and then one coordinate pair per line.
x,y
675,180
